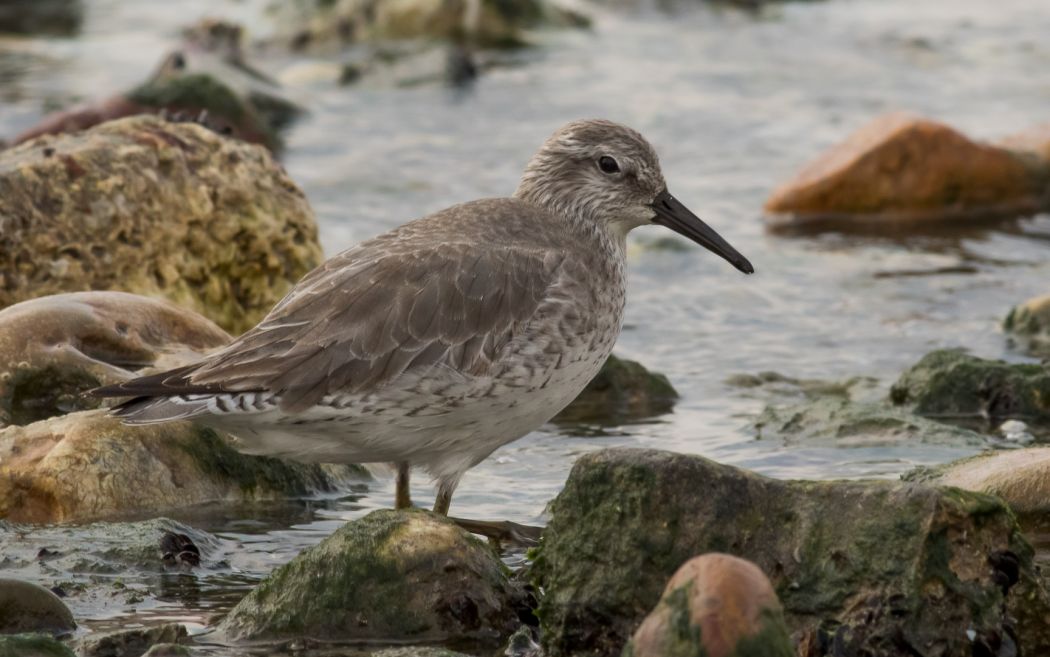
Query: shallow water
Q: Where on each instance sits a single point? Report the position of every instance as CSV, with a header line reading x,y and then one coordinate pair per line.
x,y
735,102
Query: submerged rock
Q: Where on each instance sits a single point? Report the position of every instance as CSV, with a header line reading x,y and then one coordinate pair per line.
x,y
1021,477
390,576
26,607
485,23
32,645
60,17
130,643
1030,324
950,383
87,465
715,605
623,391
55,348
157,208
876,568
845,423
216,86
904,169
850,413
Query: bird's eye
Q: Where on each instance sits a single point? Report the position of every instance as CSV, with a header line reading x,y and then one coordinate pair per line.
x,y
608,165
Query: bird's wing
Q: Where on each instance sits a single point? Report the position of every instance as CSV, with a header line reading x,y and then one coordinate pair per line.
x,y
368,316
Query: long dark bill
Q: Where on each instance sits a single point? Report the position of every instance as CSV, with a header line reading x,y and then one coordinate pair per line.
x,y
671,213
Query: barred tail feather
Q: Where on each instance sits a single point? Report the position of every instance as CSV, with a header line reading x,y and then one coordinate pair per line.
x,y
154,410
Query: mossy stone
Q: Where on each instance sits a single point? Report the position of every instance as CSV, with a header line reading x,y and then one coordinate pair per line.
x,y
390,576
950,383
623,391
32,645
893,564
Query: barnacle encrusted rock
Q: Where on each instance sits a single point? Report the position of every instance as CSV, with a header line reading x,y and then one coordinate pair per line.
x,y
877,568
158,208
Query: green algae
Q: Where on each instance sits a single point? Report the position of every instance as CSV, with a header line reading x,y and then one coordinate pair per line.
x,y
32,645
388,576
952,384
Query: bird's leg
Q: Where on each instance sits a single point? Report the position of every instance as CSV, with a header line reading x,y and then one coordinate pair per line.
x,y
446,486
403,497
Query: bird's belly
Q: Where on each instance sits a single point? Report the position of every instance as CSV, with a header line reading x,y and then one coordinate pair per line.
x,y
443,423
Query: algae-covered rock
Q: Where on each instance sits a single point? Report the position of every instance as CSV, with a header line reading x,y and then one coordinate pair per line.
x,y
849,413
486,23
167,650
130,643
844,423
1021,477
59,17
55,348
905,169
32,645
219,89
950,383
27,607
876,568
87,465
1029,323
417,651
715,605
158,208
390,576
623,391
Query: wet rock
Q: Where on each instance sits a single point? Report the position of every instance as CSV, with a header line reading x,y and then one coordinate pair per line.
x,y
1029,323
900,169
87,465
388,576
55,348
161,209
130,643
950,383
27,607
327,24
1034,140
850,413
60,17
167,650
623,391
844,423
715,605
32,645
418,651
218,89
1021,477
886,568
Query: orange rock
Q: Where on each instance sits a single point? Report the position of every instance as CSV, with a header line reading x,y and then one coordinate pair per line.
x,y
1034,140
905,168
730,606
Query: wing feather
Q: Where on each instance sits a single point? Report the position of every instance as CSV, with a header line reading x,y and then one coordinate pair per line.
x,y
369,316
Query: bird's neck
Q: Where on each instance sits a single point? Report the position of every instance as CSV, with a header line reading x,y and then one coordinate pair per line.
x,y
580,218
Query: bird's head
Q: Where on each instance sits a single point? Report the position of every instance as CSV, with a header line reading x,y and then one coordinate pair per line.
x,y
607,174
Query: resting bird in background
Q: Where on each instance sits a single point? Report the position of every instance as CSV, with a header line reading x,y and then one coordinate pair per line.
x,y
434,344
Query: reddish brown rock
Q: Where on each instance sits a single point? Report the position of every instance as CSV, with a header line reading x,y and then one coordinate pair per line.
x,y
55,348
715,605
905,169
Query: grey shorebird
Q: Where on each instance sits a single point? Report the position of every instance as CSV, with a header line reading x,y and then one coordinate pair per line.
x,y
434,344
